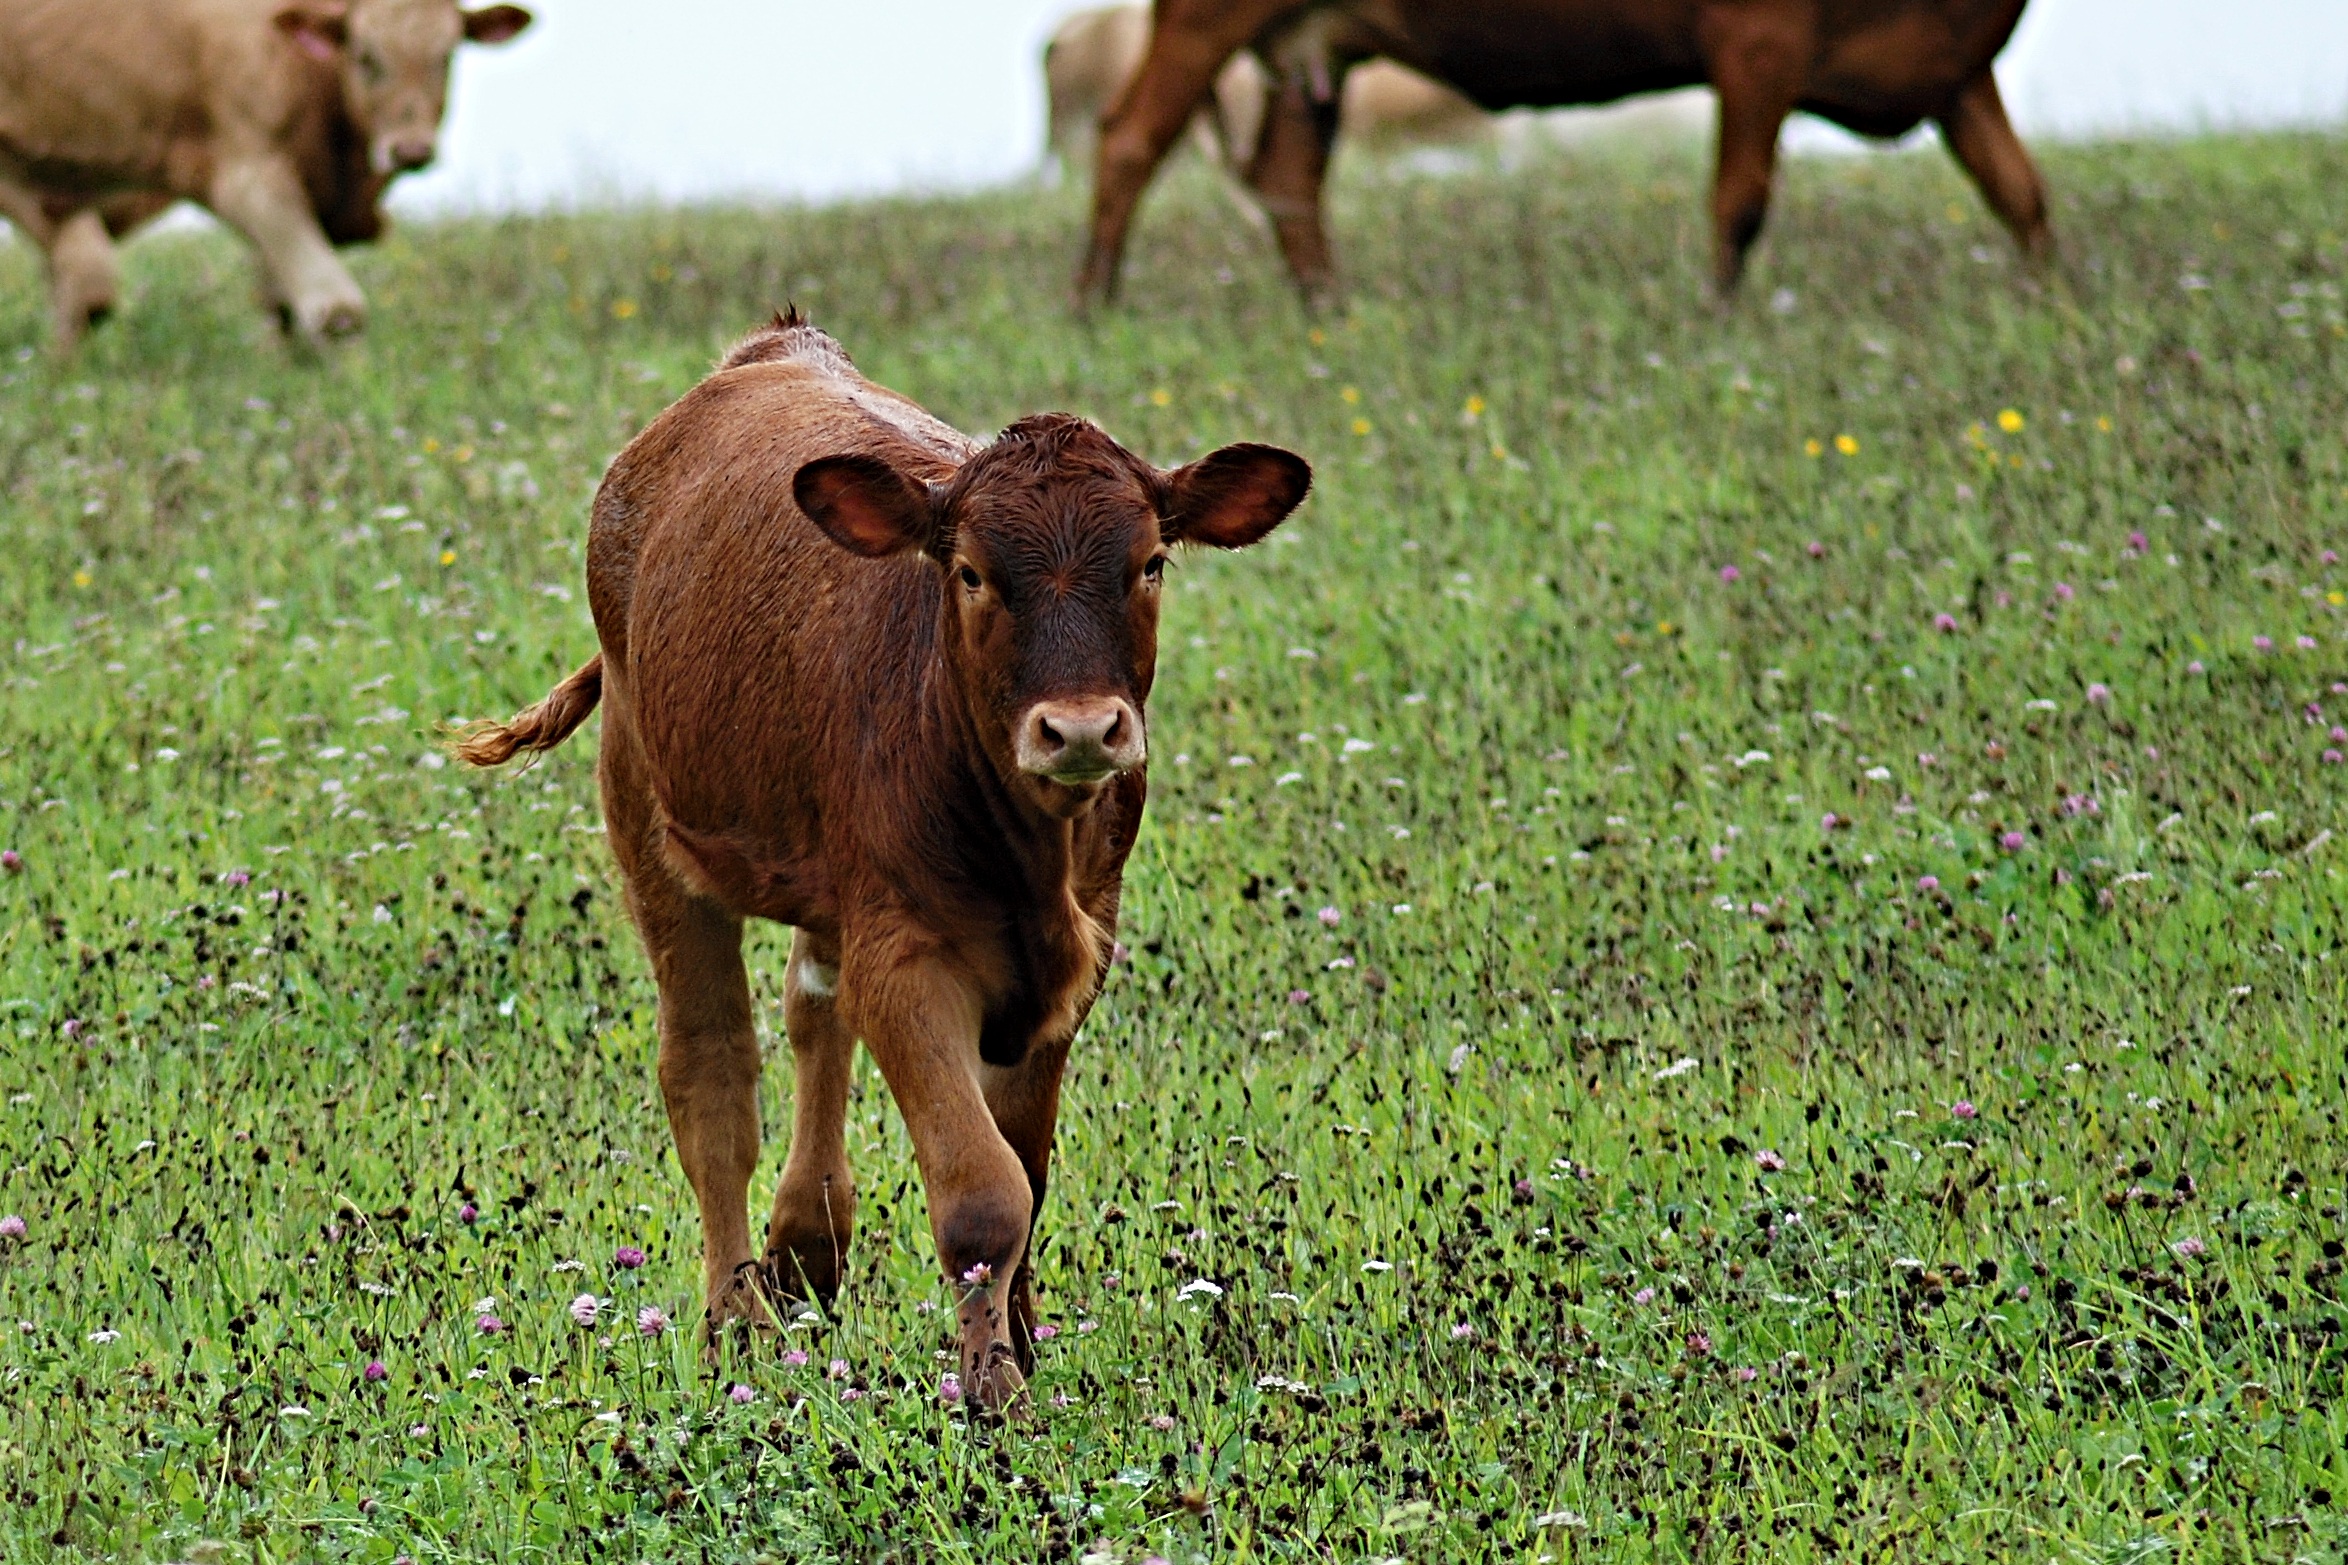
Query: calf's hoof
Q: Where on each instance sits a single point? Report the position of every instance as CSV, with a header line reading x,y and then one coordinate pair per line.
x,y
740,1311
995,1385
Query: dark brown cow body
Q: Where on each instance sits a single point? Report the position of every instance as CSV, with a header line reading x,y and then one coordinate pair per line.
x,y
872,679
1878,67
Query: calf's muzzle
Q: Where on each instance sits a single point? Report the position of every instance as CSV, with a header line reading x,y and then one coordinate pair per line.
x,y
1080,742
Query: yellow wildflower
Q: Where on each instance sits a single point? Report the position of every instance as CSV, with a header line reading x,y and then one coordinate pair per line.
x,y
2009,421
1848,445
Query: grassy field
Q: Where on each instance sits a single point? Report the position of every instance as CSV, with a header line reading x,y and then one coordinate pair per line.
x,y
1735,955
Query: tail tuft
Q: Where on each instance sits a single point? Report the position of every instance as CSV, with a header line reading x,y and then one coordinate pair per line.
x,y
539,727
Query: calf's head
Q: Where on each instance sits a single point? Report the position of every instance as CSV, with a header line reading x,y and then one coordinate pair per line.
x,y
1052,546
393,56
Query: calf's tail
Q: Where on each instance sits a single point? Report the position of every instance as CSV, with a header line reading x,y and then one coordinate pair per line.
x,y
539,727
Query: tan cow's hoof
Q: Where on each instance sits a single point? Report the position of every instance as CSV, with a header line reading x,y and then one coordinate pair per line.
x,y
343,320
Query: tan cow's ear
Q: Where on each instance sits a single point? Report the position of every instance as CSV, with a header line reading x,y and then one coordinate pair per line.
x,y
1228,499
495,23
866,506
319,28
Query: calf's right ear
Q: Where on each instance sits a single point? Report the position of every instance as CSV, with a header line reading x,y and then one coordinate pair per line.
x,y
319,28
1228,499
866,506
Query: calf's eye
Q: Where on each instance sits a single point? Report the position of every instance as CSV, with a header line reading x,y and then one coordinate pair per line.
x,y
1155,569
970,579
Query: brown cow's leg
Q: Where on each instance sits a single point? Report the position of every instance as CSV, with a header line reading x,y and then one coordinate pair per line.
x,y
1025,1101
921,1023
1757,63
1188,47
815,1205
1291,161
1983,140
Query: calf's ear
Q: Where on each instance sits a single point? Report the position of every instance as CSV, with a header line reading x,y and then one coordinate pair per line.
x,y
866,506
319,28
1228,499
495,23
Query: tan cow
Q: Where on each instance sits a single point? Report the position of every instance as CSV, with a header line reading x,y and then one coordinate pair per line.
x,y
285,119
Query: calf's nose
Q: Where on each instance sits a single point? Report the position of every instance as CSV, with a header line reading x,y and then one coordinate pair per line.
x,y
410,152
1081,741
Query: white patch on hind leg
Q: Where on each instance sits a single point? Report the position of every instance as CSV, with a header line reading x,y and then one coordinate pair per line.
x,y
815,980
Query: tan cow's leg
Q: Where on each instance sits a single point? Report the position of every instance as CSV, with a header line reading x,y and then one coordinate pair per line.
x,y
1025,1101
1984,142
921,1023
1189,45
24,208
815,1205
263,199
85,277
1757,60
1292,160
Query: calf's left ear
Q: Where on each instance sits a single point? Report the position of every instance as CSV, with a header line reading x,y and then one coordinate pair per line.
x,y
495,23
1228,499
866,506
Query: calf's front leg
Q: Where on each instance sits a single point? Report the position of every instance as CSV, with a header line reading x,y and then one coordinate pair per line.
x,y
921,1022
263,199
1025,1101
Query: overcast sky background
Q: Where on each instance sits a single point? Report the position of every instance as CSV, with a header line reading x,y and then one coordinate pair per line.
x,y
796,99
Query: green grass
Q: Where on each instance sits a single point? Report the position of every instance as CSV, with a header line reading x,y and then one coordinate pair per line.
x,y
1479,1169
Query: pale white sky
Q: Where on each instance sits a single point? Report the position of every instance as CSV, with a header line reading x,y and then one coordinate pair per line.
x,y
815,99
800,99
797,99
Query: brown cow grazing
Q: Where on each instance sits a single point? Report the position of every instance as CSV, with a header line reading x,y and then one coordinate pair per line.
x,y
870,678
1878,67
1094,54
286,119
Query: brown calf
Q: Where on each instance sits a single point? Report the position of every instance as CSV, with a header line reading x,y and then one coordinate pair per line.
x,y
1878,67
869,678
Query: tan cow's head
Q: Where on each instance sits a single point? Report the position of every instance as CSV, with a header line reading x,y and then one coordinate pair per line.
x,y
393,56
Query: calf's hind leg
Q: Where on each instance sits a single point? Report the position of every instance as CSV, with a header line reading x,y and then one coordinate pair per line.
x,y
815,1204
709,1080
